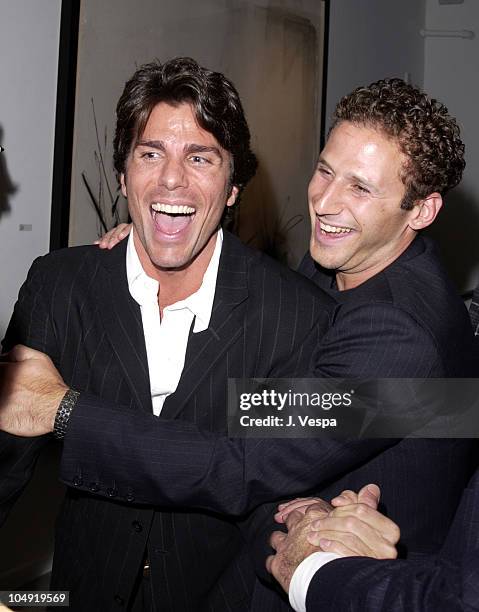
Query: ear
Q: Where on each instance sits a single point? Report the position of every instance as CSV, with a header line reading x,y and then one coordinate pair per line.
x,y
233,195
425,211
123,184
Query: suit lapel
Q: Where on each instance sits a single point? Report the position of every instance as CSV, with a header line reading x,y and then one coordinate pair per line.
x,y
226,325
122,322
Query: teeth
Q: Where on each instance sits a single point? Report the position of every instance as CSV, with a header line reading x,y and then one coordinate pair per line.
x,y
173,209
333,229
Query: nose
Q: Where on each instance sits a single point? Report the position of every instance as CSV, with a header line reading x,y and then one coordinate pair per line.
x,y
325,196
172,174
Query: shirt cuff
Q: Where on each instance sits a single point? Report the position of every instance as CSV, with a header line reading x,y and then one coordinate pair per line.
x,y
303,575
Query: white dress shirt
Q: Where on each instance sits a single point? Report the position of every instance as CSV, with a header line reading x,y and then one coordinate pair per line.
x,y
166,339
303,575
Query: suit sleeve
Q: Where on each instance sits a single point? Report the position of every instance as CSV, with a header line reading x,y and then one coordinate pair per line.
x,y
30,325
357,584
178,464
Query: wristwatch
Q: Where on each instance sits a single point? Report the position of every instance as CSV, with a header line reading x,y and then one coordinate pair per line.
x,y
63,413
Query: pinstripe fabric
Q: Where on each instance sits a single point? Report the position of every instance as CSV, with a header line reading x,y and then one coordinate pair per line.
x,y
204,470
75,306
448,583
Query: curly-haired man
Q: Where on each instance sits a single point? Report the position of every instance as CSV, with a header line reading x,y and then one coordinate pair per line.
x,y
391,155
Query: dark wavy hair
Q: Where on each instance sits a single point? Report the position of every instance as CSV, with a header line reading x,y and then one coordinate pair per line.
x,y
425,132
214,99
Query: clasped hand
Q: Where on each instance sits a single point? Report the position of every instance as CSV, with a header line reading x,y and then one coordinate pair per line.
x,y
350,526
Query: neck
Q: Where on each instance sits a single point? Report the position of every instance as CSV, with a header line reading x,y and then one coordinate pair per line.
x,y
350,280
177,284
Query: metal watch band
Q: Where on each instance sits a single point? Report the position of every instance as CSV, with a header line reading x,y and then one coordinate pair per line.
x,y
63,413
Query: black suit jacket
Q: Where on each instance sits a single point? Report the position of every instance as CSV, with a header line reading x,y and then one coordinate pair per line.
x,y
448,582
407,321
75,306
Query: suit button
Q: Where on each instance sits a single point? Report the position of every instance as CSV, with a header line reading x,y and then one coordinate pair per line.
x,y
94,487
130,497
111,492
137,526
78,481
119,600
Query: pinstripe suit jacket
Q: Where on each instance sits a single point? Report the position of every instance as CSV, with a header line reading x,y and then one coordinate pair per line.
x,y
407,321
75,306
446,583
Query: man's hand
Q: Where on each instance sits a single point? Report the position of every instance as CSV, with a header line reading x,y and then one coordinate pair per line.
x,y
114,236
368,495
301,504
293,547
31,390
356,530
353,528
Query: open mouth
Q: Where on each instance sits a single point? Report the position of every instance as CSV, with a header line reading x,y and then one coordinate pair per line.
x,y
171,219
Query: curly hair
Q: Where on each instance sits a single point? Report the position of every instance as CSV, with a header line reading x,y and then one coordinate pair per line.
x,y
425,132
215,101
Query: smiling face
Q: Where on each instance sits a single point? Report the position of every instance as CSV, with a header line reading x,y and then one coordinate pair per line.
x,y
177,185
358,226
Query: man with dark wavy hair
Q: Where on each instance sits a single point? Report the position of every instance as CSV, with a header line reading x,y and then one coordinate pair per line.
x,y
214,102
157,325
391,155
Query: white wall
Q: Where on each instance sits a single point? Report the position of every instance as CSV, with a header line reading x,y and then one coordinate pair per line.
x,y
272,51
371,40
29,37
452,75
29,40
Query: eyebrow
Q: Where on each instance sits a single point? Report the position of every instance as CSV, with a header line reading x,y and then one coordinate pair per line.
x,y
189,148
154,144
352,177
360,179
323,162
